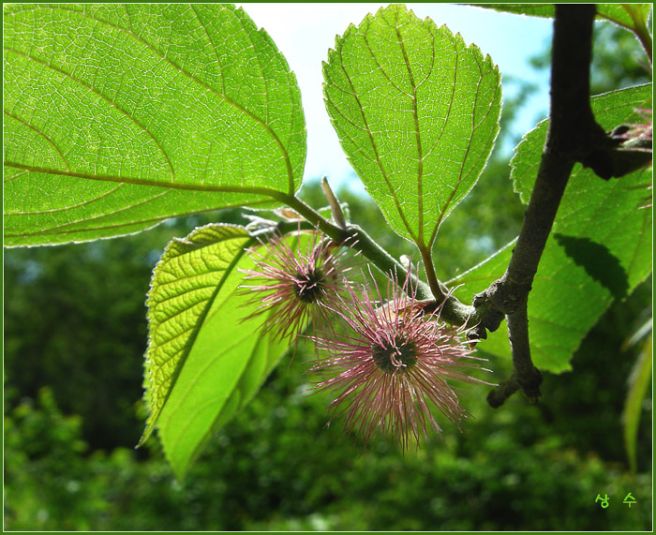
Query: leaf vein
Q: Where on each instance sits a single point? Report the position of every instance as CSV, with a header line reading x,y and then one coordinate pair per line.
x,y
88,202
392,191
41,133
96,92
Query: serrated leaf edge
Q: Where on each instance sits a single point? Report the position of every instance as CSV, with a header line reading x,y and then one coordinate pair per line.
x,y
186,242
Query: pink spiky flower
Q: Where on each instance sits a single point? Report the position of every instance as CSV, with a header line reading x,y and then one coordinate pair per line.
x,y
640,134
294,285
392,369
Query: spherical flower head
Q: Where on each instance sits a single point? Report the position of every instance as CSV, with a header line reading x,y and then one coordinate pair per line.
x,y
391,371
293,284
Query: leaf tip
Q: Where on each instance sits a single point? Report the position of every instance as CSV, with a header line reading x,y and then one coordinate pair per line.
x,y
148,431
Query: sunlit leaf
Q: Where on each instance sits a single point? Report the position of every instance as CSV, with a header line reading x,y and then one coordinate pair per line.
x,y
416,111
207,355
188,280
120,115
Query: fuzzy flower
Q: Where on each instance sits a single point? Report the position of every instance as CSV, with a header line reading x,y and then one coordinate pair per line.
x,y
639,134
293,285
638,139
392,370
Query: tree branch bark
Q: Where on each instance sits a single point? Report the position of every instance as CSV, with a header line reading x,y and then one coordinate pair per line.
x,y
574,136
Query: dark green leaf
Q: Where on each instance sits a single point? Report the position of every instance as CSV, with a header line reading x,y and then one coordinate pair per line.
x,y
638,388
569,292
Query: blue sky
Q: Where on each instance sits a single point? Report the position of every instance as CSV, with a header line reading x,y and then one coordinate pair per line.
x,y
305,32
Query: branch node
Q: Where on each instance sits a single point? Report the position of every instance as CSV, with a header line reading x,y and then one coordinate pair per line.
x,y
499,395
529,384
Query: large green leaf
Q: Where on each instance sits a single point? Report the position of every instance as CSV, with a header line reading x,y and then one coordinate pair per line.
x,y
118,116
204,360
599,249
627,15
417,113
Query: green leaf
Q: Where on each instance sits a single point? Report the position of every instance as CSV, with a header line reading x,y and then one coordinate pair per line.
x,y
638,387
417,113
599,248
119,116
186,282
630,16
206,356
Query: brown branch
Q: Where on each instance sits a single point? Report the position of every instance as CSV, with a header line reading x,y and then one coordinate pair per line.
x,y
525,377
574,136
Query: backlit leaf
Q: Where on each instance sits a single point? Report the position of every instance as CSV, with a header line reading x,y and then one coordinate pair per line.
x,y
120,115
207,355
189,278
416,111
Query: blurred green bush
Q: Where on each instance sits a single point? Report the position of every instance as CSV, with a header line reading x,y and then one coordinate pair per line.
x,y
278,467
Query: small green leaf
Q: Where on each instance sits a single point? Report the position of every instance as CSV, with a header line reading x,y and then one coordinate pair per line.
x,y
188,280
417,113
118,116
638,387
631,16
207,355
569,292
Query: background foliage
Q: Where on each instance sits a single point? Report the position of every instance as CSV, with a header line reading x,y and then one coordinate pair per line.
x,y
74,341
